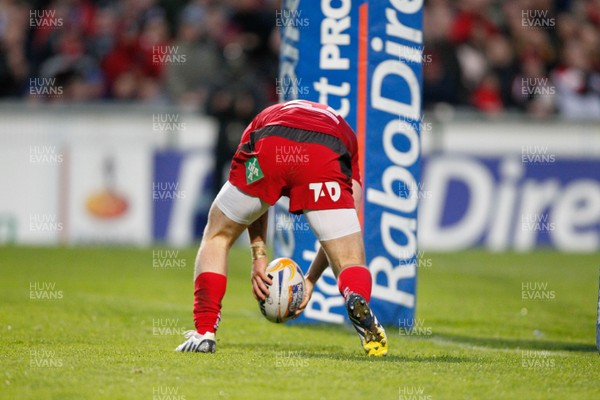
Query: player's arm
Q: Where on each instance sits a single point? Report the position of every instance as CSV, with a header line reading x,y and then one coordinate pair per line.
x,y
258,245
357,194
320,262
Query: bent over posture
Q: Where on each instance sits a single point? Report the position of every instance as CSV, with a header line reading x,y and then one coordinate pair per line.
x,y
324,184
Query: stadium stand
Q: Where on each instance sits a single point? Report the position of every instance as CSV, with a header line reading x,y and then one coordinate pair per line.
x,y
539,57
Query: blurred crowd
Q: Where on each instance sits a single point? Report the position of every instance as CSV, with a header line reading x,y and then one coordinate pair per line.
x,y
538,56
197,54
220,57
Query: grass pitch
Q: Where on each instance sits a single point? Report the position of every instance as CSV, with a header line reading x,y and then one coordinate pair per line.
x,y
102,323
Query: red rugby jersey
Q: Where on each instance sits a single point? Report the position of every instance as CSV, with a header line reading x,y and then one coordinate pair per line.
x,y
310,116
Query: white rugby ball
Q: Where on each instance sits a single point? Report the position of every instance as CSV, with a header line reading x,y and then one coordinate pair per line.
x,y
285,293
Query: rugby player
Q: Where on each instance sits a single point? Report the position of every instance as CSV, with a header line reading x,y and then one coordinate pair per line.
x,y
326,188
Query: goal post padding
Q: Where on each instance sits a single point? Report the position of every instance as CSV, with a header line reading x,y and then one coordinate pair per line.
x,y
364,59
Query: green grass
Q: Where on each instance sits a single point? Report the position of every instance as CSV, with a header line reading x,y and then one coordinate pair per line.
x,y
98,342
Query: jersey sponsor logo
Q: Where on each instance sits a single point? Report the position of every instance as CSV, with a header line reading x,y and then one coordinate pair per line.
x,y
253,171
333,189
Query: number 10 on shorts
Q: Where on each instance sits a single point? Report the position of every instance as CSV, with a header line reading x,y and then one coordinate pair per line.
x,y
333,189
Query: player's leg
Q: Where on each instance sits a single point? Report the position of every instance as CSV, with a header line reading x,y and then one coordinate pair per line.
x,y
341,239
340,236
210,280
355,284
230,214
219,235
210,270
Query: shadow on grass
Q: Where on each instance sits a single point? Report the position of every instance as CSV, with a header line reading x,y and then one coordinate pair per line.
x,y
340,353
504,343
393,358
335,352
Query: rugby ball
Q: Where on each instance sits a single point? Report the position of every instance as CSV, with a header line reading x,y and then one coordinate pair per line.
x,y
285,293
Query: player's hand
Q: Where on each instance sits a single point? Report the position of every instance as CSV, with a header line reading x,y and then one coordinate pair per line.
x,y
308,290
259,279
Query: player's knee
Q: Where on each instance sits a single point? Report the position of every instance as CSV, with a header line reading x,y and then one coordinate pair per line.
x,y
222,238
220,235
220,228
339,266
